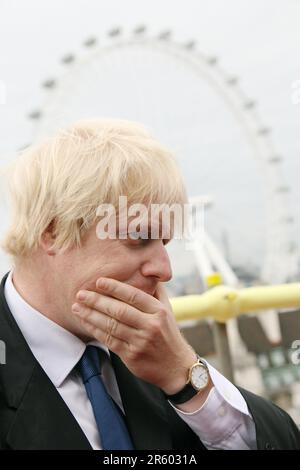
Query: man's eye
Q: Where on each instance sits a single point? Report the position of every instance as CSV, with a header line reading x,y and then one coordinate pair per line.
x,y
142,238
138,236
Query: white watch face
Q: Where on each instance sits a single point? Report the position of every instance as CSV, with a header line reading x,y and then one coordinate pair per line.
x,y
199,376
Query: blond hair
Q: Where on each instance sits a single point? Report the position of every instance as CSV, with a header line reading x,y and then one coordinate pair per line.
x,y
66,178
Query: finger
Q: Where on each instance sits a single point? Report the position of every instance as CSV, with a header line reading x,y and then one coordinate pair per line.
x,y
129,294
108,325
114,308
162,295
115,345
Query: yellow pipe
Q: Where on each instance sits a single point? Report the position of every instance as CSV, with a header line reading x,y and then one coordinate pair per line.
x,y
223,302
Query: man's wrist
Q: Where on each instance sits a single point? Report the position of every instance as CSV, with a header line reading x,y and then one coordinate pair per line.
x,y
198,383
197,402
181,375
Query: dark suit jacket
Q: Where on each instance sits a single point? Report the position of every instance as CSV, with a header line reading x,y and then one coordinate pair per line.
x,y
34,416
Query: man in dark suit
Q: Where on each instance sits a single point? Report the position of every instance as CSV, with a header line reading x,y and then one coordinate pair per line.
x,y
94,357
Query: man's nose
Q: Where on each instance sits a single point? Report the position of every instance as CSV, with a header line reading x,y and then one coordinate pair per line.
x,y
158,263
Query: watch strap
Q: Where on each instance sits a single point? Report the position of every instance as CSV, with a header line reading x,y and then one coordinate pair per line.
x,y
185,394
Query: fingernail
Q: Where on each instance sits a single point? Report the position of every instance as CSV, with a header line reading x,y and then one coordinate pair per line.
x,y
76,308
81,295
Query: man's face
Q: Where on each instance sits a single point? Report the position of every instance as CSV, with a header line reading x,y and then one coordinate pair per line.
x,y
142,263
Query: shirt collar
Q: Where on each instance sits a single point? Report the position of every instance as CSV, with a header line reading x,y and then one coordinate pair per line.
x,y
56,349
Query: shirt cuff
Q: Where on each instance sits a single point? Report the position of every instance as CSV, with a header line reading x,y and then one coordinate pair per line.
x,y
220,415
227,390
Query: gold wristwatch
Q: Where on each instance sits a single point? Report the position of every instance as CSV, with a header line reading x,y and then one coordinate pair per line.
x,y
198,379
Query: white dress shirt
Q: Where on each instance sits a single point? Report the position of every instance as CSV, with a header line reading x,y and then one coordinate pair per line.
x,y
223,421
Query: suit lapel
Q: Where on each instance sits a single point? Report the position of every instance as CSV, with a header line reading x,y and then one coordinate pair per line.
x,y
38,418
34,415
43,421
145,414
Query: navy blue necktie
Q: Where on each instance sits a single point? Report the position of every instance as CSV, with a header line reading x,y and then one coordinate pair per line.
x,y
109,418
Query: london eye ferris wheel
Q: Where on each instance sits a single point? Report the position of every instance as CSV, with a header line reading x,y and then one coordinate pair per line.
x,y
199,110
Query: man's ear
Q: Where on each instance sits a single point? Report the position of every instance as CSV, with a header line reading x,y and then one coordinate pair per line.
x,y
48,239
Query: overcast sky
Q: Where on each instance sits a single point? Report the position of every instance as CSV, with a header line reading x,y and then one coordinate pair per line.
x,y
255,40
